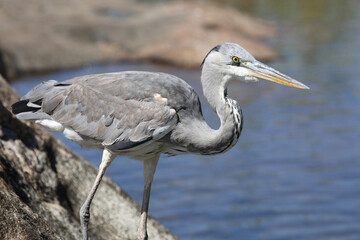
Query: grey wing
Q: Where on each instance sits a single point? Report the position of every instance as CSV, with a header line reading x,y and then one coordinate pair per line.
x,y
117,123
120,109
96,117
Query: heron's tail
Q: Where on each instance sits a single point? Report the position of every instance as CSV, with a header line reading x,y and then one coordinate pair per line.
x,y
24,109
29,107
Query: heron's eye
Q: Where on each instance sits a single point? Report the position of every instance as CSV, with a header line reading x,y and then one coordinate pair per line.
x,y
236,59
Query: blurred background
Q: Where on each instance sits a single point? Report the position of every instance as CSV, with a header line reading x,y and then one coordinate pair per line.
x,y
294,173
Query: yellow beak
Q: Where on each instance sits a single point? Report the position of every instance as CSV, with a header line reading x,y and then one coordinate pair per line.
x,y
262,71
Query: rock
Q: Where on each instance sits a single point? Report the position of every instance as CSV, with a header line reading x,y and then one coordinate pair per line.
x,y
7,95
43,185
197,28
69,33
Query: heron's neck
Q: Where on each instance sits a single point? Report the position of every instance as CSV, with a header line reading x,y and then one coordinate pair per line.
x,y
227,109
199,137
231,121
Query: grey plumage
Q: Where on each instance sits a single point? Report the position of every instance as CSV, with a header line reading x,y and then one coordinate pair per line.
x,y
144,114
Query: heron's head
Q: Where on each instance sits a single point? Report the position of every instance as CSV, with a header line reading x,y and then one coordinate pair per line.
x,y
234,62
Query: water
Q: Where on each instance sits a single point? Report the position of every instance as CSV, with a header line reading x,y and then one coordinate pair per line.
x,y
294,173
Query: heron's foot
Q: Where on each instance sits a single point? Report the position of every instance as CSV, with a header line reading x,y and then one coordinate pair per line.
x,y
84,220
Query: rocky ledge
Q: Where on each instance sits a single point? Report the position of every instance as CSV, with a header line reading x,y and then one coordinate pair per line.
x,y
43,185
38,36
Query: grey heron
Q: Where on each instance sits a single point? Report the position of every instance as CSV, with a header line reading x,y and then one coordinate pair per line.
x,y
144,114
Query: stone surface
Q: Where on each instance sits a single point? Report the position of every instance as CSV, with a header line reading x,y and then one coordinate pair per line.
x,y
43,185
39,36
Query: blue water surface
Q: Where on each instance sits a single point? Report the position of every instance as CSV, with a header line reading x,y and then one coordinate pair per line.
x,y
295,172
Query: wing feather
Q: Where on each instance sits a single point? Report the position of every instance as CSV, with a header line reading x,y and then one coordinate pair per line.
x,y
110,120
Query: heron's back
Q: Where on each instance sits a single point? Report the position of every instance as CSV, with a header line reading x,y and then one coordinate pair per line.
x,y
142,86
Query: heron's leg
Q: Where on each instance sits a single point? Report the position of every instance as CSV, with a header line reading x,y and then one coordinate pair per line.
x,y
107,157
149,171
